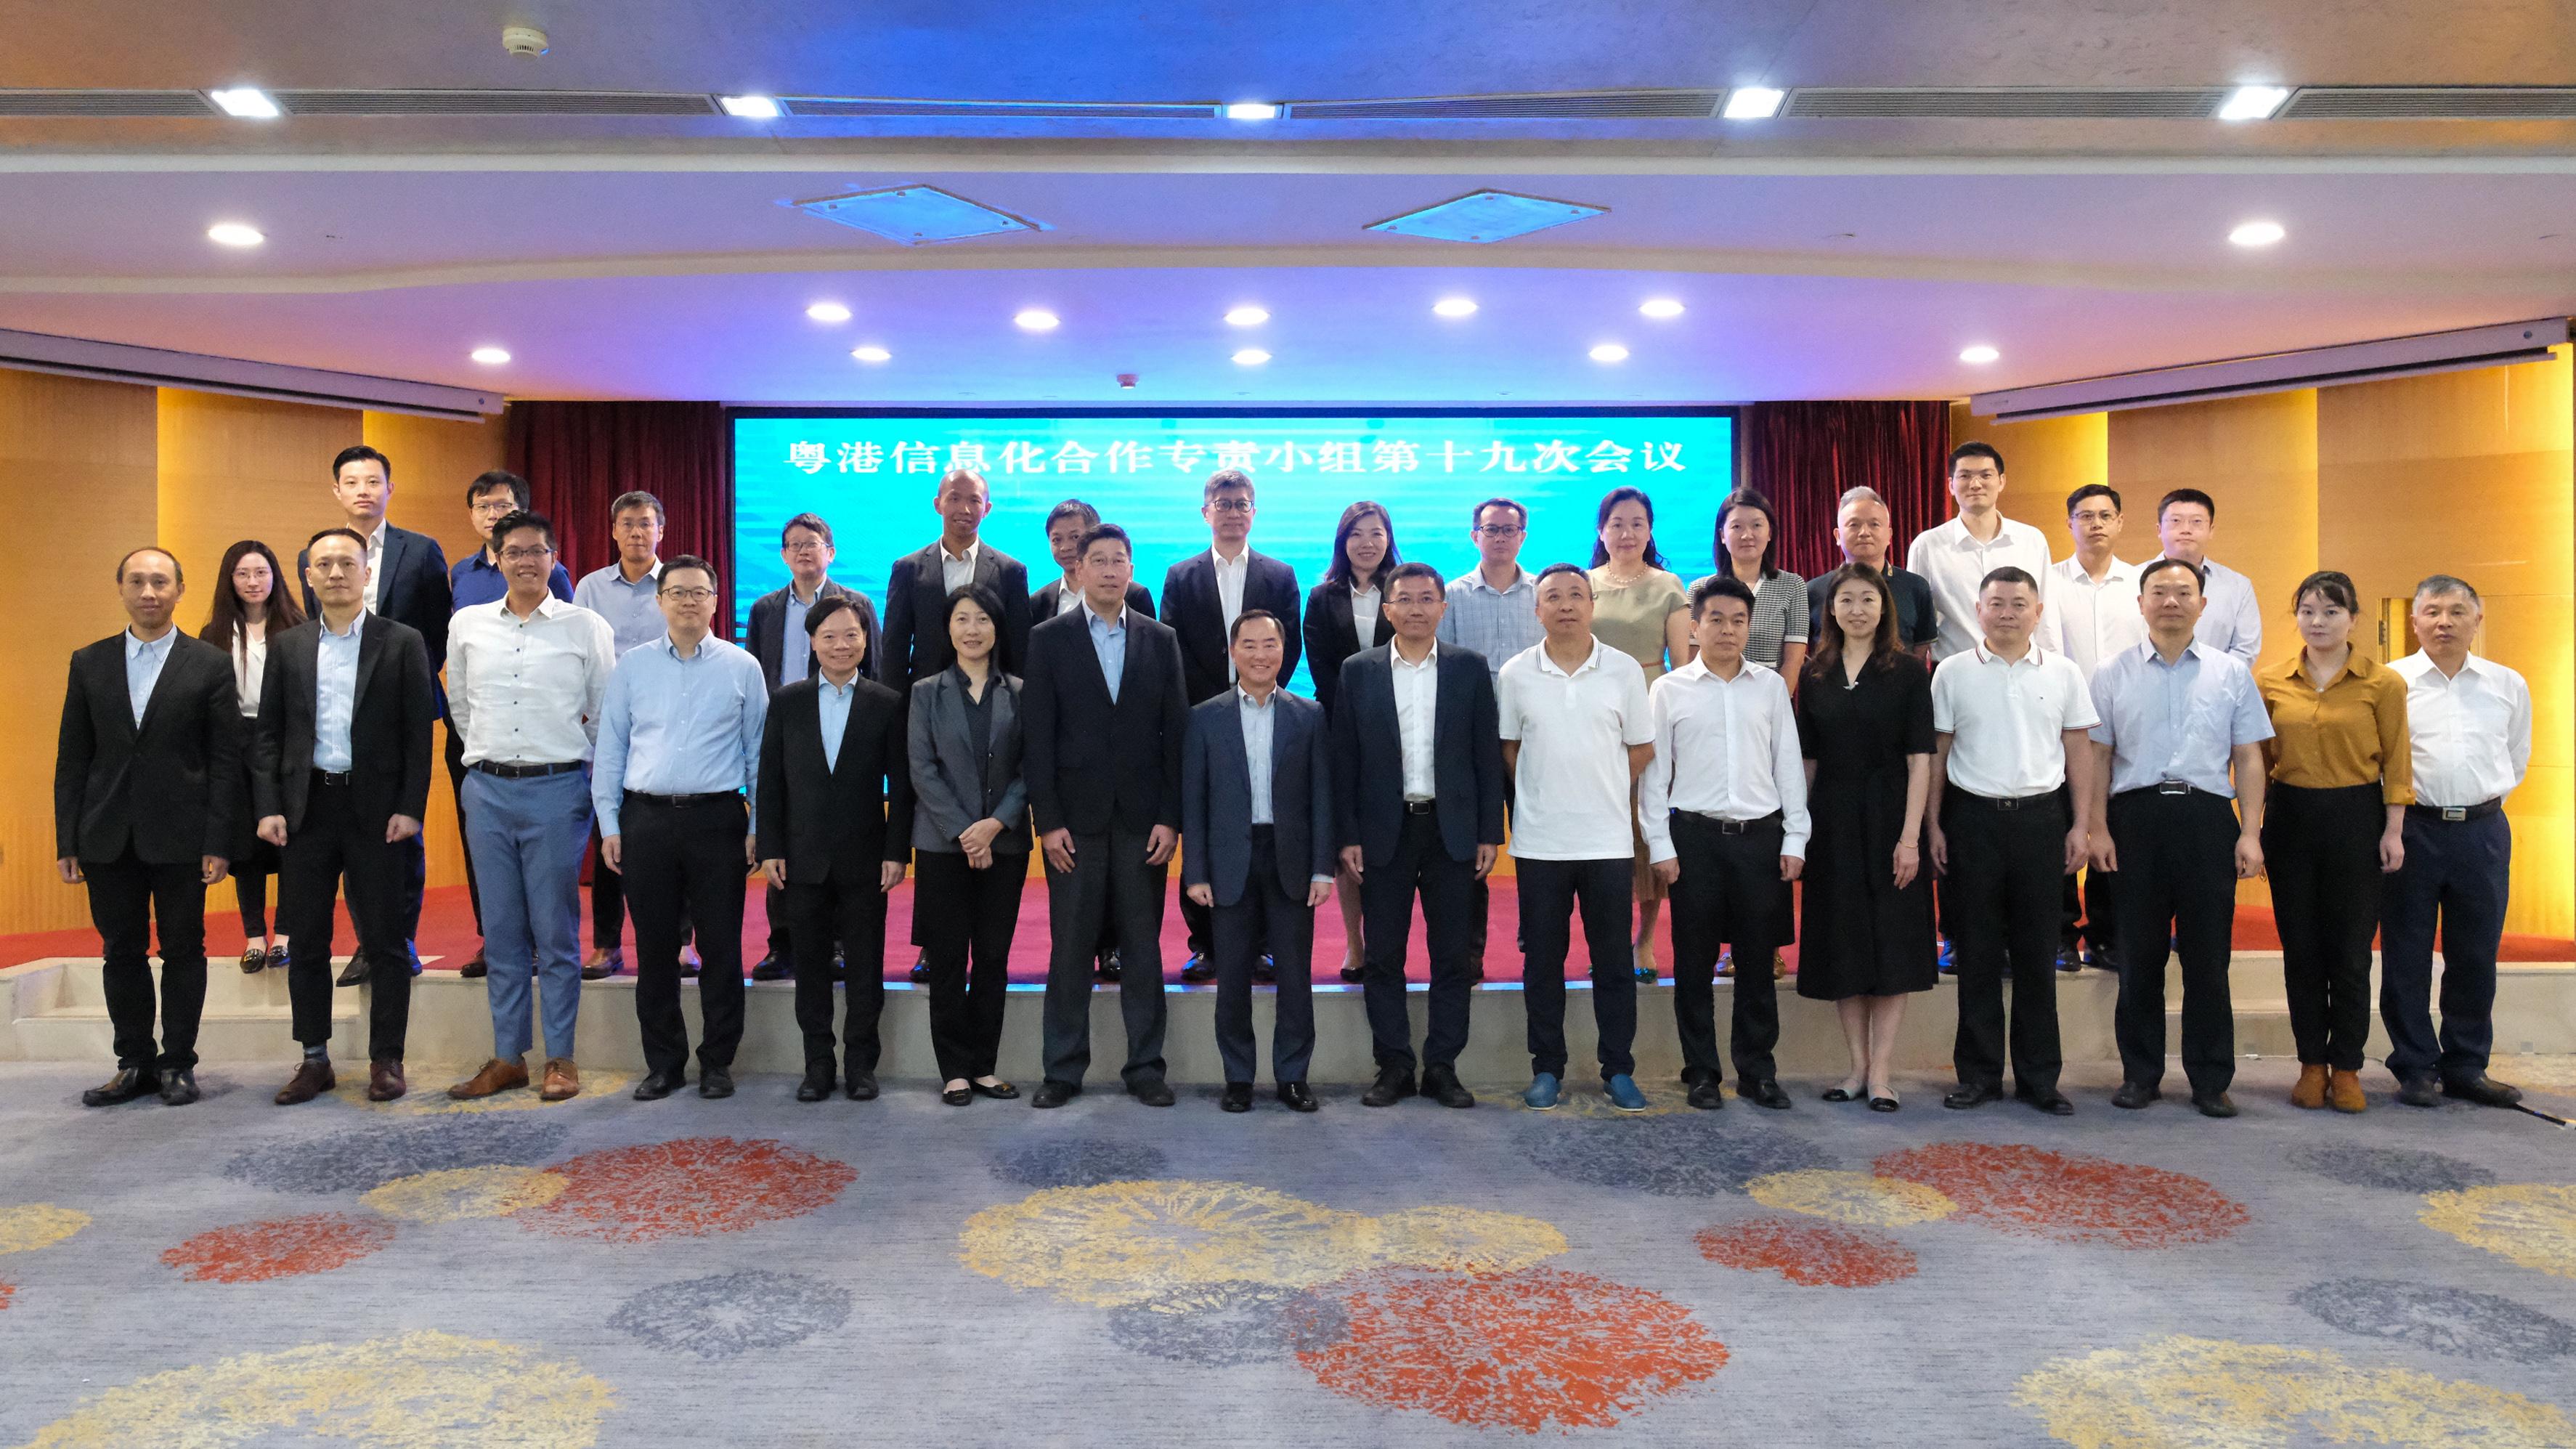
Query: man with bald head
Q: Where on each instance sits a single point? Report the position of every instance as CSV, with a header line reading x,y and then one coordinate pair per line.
x,y
1863,529
147,797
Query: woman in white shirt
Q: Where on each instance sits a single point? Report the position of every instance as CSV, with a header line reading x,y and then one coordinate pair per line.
x,y
1344,615
252,602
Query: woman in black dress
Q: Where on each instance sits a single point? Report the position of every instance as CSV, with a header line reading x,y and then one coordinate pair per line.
x,y
1344,615
1865,724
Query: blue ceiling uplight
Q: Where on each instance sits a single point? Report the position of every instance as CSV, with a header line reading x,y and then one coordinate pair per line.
x,y
1486,216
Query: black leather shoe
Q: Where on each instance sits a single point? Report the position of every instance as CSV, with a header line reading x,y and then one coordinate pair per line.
x,y
715,1083
959,1097
1764,1093
1393,1085
609,963
476,969
2213,1104
2134,1095
1153,1091
1105,969
1964,1098
1265,971
2049,1100
2068,960
1707,1095
1053,1094
178,1088
997,1089
816,1086
1199,972
2103,958
2420,1092
2484,1090
1441,1085
770,968
353,973
860,1087
1297,1098
1354,974
1237,1098
128,1084
921,969
656,1086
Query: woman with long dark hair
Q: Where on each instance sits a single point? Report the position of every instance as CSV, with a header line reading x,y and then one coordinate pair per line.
x,y
1345,614
1865,724
253,601
1640,609
1748,544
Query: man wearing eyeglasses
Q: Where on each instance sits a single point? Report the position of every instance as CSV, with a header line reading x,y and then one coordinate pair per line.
x,y
627,594
679,753
1493,609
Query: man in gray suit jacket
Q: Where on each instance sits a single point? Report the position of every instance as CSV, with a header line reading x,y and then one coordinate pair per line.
x,y
1257,842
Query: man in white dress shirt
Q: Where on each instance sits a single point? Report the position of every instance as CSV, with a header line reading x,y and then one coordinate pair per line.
x,y
2011,816
526,674
2232,623
1956,556
2091,614
2470,723
1723,806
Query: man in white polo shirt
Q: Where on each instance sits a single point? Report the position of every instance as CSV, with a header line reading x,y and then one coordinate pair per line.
x,y
1956,556
2011,816
2089,614
1577,732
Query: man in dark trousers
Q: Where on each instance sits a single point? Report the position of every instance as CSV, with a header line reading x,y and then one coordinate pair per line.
x,y
146,800
1418,793
1257,822
1202,597
407,582
776,636
1105,716
339,781
834,832
1066,523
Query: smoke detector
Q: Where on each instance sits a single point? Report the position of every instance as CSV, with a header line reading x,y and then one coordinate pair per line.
x,y
524,41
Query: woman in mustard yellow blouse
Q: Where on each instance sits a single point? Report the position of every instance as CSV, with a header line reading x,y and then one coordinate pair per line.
x,y
2342,778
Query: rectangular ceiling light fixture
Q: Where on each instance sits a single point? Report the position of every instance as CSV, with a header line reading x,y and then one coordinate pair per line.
x,y
916,215
1486,216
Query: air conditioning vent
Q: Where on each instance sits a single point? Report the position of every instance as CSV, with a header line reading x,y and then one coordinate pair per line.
x,y
103,103
897,107
2431,103
2002,103
494,103
1541,106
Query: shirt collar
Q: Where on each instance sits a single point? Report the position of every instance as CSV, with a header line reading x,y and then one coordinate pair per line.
x,y
548,607
2424,667
837,691
2029,656
1590,661
2357,665
355,625
1395,656
820,585
2193,650
671,647
1243,699
135,648
1238,561
1520,580
1098,624
968,558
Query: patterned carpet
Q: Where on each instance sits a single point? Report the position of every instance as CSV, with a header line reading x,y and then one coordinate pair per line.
x,y
696,1273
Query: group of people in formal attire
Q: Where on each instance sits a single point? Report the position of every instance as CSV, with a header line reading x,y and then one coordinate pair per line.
x,y
1767,760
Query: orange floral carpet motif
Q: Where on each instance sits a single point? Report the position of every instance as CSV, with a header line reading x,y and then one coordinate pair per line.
x,y
1526,1350
279,1248
2070,1197
691,1187
1806,1252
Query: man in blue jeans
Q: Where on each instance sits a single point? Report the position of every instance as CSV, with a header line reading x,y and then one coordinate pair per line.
x,y
525,678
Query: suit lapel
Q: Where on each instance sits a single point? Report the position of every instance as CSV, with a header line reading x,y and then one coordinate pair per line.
x,y
956,738
124,711
169,680
394,546
831,762
371,647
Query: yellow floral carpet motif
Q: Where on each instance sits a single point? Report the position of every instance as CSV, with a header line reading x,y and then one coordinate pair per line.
x,y
1126,1242
2215,1394
1857,1198
30,1226
456,1194
2532,1224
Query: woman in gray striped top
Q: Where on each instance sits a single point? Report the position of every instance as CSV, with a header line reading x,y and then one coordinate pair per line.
x,y
1747,539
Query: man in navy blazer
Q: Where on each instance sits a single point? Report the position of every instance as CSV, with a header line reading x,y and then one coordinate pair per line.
x,y
1419,807
1257,851
1202,597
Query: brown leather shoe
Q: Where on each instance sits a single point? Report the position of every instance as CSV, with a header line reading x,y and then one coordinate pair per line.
x,y
2343,1092
2311,1090
311,1080
385,1080
497,1076
563,1080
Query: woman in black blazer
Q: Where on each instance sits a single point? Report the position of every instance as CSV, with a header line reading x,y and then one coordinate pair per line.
x,y
1345,615
970,840
252,605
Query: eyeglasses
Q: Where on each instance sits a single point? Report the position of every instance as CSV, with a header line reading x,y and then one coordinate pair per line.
x,y
1501,530
689,596
1231,505
802,545
525,555
496,506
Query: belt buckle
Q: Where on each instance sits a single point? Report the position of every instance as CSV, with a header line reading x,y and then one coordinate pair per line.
x,y
2454,812
1733,827
2173,787
2008,803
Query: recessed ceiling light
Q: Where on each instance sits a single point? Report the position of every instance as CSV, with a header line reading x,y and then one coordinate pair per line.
x,y
490,356
1251,357
2257,234
1036,320
1252,111
1247,316
1978,355
1455,306
234,234
1753,103
870,353
2252,103
1659,307
749,108
1486,217
828,312
1609,352
248,102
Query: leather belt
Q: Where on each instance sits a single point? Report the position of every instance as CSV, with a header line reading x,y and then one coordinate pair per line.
x,y
524,772
683,802
1420,807
1996,802
2454,814
334,777
1732,827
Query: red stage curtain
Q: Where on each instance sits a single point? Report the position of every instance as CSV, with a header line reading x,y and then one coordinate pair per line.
x,y
578,456
1804,455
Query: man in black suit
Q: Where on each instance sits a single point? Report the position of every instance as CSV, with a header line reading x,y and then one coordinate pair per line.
x,y
1257,816
917,590
1066,523
407,582
777,637
1105,717
340,780
1420,791
834,832
147,785
1202,596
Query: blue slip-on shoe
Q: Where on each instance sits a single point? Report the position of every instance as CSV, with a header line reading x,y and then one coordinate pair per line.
x,y
1542,1092
1624,1094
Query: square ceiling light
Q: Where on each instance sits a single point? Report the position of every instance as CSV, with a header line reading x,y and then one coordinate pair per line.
x,y
916,215
1487,216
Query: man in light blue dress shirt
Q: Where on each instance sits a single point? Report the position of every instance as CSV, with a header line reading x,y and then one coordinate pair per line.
x,y
2232,622
679,756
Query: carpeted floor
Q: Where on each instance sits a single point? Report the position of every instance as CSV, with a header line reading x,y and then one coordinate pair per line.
x,y
757,1272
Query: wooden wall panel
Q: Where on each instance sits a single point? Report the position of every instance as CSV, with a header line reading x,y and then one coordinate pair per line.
x,y
235,468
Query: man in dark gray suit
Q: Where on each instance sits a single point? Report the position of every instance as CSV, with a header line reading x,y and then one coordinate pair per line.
x,y
918,587
1257,826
